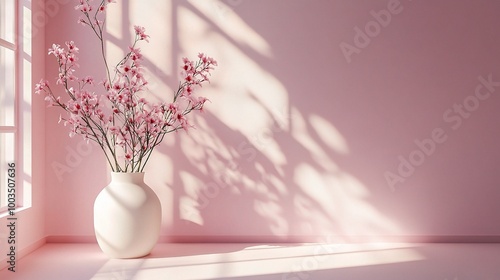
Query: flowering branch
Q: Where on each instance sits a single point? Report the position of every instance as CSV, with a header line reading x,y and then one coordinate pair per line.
x,y
126,126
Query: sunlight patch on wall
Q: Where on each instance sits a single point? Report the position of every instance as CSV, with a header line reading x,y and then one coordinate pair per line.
x,y
208,153
196,35
114,21
271,180
221,15
312,183
113,53
189,204
273,211
158,64
160,177
255,103
329,135
342,200
300,131
195,152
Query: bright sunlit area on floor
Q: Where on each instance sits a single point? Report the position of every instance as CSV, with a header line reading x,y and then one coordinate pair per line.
x,y
377,261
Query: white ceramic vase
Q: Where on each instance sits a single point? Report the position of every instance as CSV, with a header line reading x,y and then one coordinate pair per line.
x,y
127,217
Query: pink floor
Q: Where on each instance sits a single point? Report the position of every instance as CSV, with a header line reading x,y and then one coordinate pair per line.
x,y
269,261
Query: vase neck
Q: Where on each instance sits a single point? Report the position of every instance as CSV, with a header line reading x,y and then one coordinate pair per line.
x,y
130,177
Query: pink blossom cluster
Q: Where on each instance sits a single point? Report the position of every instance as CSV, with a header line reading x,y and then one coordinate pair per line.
x,y
112,113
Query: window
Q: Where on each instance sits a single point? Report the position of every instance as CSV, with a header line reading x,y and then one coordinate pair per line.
x,y
15,89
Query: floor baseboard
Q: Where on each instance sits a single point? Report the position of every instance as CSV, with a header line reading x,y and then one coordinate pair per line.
x,y
298,239
24,252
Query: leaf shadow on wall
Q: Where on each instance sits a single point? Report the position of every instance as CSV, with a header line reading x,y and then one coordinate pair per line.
x,y
260,166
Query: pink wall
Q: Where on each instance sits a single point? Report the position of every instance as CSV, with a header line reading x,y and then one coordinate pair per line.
x,y
313,105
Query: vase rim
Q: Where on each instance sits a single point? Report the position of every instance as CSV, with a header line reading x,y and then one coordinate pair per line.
x,y
128,176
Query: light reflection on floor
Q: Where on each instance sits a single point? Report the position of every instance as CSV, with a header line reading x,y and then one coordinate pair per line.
x,y
265,261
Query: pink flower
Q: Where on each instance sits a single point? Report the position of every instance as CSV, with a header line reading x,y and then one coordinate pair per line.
x,y
189,78
173,107
55,50
83,7
41,86
98,22
72,59
88,80
129,156
61,79
82,21
188,90
71,47
206,59
115,130
182,120
140,32
200,102
135,53
188,66
126,68
75,107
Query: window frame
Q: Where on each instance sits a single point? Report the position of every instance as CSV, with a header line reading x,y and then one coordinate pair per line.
x,y
21,39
